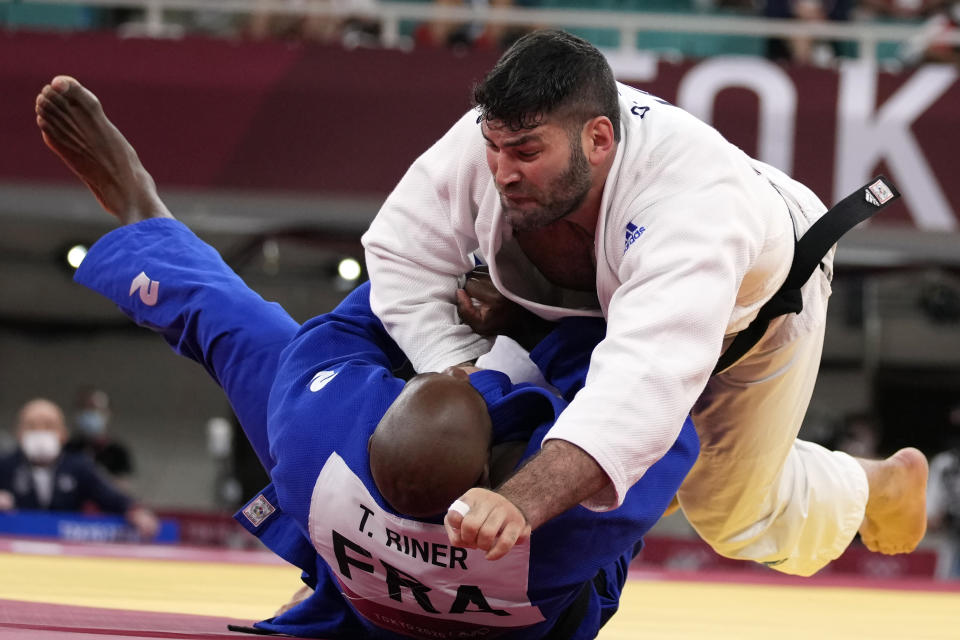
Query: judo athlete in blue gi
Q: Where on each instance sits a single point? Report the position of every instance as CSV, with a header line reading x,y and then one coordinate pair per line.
x,y
354,502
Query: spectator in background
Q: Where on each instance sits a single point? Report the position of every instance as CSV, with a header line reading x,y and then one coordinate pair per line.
x,y
943,502
859,435
39,475
90,437
944,22
300,24
804,50
939,18
471,35
900,9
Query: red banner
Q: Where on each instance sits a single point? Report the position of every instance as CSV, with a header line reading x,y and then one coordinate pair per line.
x,y
273,116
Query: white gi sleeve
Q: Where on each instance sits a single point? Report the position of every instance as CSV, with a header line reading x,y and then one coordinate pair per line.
x,y
666,324
421,242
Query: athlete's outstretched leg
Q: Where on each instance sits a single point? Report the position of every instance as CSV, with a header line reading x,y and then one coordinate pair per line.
x,y
186,292
74,126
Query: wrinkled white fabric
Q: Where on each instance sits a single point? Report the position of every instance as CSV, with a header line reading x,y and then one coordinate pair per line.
x,y
693,237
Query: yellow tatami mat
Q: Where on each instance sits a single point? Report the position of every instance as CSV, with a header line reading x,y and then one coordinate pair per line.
x,y
651,608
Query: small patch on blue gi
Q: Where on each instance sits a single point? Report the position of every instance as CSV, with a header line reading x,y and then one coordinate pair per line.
x,y
258,510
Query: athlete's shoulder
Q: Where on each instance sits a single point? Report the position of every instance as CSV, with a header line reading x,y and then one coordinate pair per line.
x,y
654,125
456,158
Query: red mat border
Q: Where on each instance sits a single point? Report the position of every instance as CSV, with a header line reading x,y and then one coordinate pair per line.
x,y
748,577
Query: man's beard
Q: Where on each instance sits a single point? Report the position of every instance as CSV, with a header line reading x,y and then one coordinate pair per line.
x,y
562,196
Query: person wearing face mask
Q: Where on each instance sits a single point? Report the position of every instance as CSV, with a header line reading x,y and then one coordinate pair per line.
x,y
90,436
41,475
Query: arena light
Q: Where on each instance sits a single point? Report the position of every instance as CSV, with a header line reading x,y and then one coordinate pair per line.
x,y
349,269
75,255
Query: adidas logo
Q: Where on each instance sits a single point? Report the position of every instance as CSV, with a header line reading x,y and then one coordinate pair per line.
x,y
633,234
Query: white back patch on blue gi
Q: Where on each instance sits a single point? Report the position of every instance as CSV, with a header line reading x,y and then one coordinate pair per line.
x,y
403,575
321,379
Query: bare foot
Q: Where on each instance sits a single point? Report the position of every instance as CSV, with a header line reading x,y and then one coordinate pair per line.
x,y
74,126
895,518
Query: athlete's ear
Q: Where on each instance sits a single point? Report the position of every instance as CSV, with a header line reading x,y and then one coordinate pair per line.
x,y
598,139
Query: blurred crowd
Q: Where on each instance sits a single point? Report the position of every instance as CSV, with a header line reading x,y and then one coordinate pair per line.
x,y
941,16
355,27
943,502
353,23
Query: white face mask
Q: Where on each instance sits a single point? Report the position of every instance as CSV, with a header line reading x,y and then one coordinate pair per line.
x,y
40,447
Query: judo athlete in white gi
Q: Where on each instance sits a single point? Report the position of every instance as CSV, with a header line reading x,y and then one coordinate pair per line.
x,y
588,197
354,452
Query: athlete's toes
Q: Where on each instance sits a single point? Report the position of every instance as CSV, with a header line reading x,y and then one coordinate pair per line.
x,y
76,93
64,84
54,104
45,105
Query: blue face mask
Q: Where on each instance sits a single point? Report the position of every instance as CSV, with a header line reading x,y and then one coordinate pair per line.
x,y
90,423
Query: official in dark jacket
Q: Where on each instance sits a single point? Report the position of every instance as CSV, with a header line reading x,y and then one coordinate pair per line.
x,y
39,475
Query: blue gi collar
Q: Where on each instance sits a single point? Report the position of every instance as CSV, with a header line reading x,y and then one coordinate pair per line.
x,y
515,410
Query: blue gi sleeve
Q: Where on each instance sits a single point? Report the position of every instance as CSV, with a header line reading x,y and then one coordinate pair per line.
x,y
165,278
349,333
564,355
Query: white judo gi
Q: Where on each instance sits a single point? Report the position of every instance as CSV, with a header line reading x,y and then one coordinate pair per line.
x,y
693,237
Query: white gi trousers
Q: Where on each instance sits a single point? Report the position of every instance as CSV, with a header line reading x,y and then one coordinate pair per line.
x,y
757,492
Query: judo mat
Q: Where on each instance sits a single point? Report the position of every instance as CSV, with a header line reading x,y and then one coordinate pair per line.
x,y
54,591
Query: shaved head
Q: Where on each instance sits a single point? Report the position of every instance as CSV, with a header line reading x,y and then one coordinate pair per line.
x,y
432,444
41,414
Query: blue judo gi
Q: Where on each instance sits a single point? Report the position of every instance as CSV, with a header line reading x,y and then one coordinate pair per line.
x,y
308,398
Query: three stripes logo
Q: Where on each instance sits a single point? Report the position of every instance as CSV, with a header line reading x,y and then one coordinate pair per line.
x,y
633,234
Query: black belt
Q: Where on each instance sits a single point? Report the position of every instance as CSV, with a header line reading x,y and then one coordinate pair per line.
x,y
808,252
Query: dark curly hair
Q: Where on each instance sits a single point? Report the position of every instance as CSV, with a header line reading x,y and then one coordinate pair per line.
x,y
548,72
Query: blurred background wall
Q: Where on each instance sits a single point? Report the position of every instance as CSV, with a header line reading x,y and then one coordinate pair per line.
x,y
277,144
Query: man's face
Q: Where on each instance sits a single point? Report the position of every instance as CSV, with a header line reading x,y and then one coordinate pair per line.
x,y
41,416
541,173
41,431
